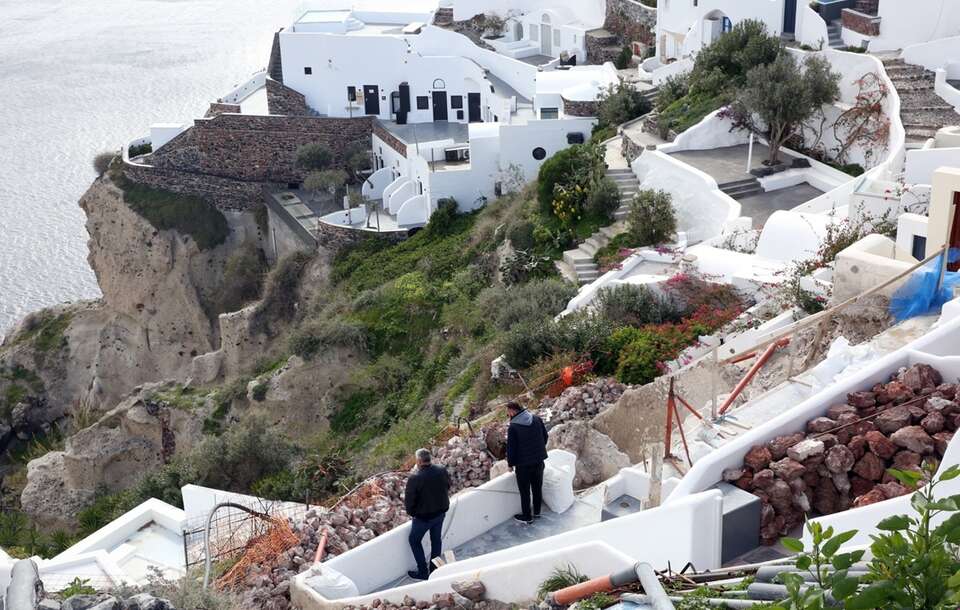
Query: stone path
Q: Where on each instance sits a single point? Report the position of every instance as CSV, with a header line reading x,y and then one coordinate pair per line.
x,y
922,111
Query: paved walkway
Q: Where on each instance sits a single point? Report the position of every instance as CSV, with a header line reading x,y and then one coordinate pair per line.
x,y
762,205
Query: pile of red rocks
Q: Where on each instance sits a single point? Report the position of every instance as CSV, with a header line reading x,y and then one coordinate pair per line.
x,y
582,402
465,595
841,460
373,509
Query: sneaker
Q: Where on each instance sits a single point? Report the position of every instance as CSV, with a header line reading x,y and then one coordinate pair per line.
x,y
537,516
416,575
519,518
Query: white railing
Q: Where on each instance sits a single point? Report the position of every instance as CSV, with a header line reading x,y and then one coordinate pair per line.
x,y
243,91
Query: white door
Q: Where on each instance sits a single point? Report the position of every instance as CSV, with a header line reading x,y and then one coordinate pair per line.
x,y
546,36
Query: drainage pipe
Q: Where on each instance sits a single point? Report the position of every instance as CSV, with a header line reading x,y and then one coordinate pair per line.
x,y
769,592
653,588
321,547
769,573
642,572
736,604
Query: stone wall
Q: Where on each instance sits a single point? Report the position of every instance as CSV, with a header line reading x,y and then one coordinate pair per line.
x,y
631,21
223,193
335,238
217,108
868,25
285,101
581,109
389,139
602,47
256,148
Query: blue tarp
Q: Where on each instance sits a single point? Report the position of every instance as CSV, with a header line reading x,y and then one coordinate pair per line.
x,y
919,295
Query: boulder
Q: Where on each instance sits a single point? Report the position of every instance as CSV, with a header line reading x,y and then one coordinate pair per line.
x,y
858,445
941,405
941,440
907,460
879,444
839,459
145,601
933,423
893,392
834,412
787,469
871,497
859,486
91,602
920,376
758,457
862,400
913,438
869,467
841,482
781,497
825,497
598,457
778,446
892,490
892,419
821,424
805,449
474,590
763,479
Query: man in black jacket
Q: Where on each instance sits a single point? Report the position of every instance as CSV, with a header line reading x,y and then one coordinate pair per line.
x,y
526,452
426,501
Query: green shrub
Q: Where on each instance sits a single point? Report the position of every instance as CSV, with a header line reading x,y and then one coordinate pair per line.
x,y
622,61
78,586
141,149
281,293
854,169
578,333
259,391
103,161
310,339
570,166
443,221
652,219
619,104
602,133
540,299
560,578
185,214
325,181
603,198
314,157
630,304
521,266
639,360
723,65
672,89
242,278
521,235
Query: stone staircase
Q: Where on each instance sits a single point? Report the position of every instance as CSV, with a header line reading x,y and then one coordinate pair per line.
x,y
834,32
922,111
739,189
577,265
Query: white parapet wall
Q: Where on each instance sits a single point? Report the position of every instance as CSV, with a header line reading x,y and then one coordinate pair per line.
x,y
939,348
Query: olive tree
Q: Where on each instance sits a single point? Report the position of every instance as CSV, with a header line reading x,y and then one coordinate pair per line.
x,y
778,97
328,180
315,156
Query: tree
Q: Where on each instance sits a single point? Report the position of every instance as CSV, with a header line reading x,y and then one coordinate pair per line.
x,y
778,97
102,162
724,64
359,158
328,180
651,219
315,156
619,104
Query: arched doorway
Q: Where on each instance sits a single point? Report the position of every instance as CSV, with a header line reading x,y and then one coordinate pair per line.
x,y
546,36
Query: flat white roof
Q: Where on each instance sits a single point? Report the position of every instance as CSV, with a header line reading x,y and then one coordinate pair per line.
x,y
324,16
579,83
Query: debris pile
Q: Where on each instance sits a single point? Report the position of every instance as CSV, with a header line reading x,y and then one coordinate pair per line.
x,y
583,402
374,508
841,460
465,595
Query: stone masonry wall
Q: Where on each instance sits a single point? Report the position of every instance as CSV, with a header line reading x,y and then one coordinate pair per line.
x,y
220,108
335,238
582,109
285,101
631,21
389,139
867,25
223,193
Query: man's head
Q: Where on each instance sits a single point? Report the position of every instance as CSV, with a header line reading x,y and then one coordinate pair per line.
x,y
513,408
424,457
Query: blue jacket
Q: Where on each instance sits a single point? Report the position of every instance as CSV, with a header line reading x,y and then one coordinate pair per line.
x,y
526,440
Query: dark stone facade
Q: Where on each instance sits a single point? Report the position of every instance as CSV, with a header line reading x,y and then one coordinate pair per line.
x,y
631,21
388,138
285,101
336,238
256,148
217,108
582,109
868,7
602,46
223,193
861,23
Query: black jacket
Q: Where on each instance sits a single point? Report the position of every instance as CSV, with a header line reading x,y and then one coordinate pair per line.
x,y
526,440
427,494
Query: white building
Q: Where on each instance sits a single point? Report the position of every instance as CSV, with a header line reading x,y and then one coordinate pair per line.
x,y
456,121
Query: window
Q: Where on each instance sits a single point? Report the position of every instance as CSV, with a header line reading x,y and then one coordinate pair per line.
x,y
423,102
307,70
351,94
575,137
549,113
556,38
456,101
439,84
539,154
919,249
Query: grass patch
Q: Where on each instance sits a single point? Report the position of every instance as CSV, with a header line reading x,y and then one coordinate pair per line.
x,y
47,331
167,211
689,110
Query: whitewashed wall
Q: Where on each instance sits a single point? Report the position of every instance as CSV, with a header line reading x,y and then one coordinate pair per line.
x,y
683,16
589,13
905,23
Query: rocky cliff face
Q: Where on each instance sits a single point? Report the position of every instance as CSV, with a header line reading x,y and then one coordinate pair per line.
x,y
153,319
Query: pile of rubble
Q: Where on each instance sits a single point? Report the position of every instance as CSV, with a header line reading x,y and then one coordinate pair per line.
x,y
375,508
465,595
841,460
582,402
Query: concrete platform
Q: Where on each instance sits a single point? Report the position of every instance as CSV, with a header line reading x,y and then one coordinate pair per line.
x,y
727,164
762,205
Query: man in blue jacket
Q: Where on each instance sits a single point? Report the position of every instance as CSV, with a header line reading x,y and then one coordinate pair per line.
x,y
426,499
526,452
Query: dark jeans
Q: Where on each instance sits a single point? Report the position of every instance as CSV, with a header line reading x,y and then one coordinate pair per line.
x,y
530,482
418,529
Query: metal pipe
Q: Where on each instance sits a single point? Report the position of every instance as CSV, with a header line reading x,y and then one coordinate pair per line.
x,y
770,592
321,547
767,574
761,361
641,599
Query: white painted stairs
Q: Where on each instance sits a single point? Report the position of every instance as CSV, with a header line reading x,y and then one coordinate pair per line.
x,y
577,265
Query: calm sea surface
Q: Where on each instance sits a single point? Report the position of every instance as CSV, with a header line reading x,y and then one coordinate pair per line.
x,y
81,76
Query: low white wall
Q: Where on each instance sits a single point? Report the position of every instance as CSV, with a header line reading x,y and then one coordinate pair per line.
x,y
905,23
922,162
909,225
943,341
712,132
247,88
379,180
589,291
472,512
414,212
702,209
945,90
681,66
811,29
935,54
865,264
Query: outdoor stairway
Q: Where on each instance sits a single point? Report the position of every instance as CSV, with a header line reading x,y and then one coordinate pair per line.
x,y
650,95
834,31
922,111
577,264
739,189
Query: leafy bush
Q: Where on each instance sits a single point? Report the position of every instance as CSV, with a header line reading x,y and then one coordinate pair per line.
x,y
259,391
184,214
443,221
602,133
603,198
560,578
652,220
571,166
242,278
325,181
579,333
102,162
281,292
634,305
314,157
623,59
310,339
672,89
521,235
78,586
523,265
619,104
724,64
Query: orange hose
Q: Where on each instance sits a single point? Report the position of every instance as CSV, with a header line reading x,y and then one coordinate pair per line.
x,y
321,547
568,595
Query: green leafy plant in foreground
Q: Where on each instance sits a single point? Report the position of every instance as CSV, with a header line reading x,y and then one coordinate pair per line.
x,y
560,578
78,586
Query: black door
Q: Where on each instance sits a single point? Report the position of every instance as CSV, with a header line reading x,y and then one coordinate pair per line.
x,y
473,107
789,16
371,99
439,105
